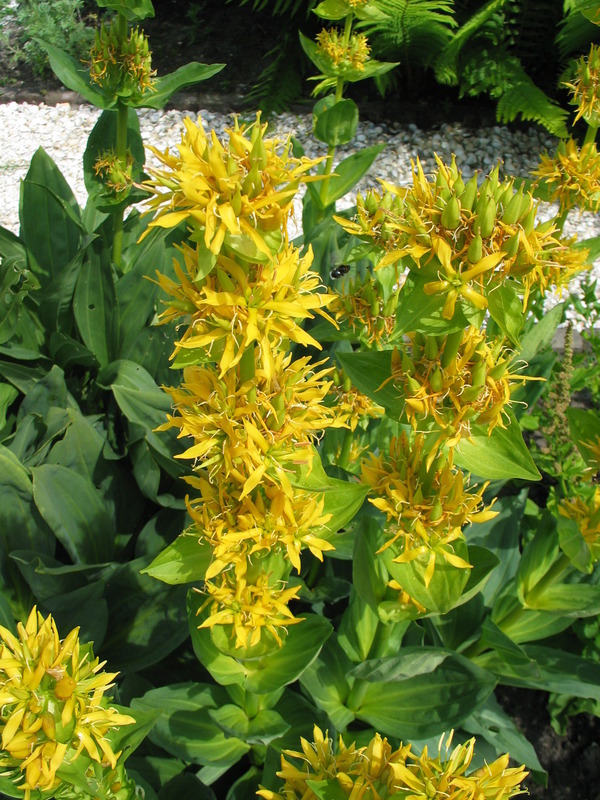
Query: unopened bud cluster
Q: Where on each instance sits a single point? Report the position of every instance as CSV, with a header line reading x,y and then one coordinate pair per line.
x,y
585,87
465,238
121,65
351,52
454,380
370,316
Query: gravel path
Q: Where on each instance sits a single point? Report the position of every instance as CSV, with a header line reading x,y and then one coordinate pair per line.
x,y
62,130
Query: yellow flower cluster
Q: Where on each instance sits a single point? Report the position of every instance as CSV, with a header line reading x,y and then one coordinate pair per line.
x,y
253,412
237,193
121,65
343,52
369,316
52,704
572,176
454,381
465,239
425,501
116,175
240,304
376,771
585,88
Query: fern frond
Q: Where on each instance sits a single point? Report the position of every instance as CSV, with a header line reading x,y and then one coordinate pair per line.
x,y
527,101
412,30
280,82
576,31
446,64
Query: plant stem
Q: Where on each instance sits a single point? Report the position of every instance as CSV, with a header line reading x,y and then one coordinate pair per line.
x,y
248,371
346,449
121,151
590,135
339,94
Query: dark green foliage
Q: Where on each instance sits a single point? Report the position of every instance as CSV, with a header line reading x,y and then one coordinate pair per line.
x,y
60,22
412,29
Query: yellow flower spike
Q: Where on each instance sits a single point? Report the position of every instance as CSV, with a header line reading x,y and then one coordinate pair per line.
x,y
572,176
251,610
56,695
585,87
375,772
222,188
266,306
455,389
495,237
420,523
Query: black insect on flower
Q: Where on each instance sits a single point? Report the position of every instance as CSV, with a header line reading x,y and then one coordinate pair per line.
x,y
340,270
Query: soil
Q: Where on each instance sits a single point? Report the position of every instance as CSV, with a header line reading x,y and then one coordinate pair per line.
x,y
215,31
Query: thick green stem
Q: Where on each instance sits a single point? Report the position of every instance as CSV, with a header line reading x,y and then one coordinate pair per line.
x,y
346,449
248,371
339,94
121,153
590,135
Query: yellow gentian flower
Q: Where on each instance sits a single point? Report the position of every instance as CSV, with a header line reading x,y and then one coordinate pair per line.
x,y
52,703
426,504
235,307
242,188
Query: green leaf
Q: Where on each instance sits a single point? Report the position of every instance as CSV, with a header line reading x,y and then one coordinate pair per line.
x,y
501,536
262,674
538,557
185,728
263,728
342,499
494,725
573,545
370,372
553,671
72,507
50,218
446,585
506,309
348,172
540,335
585,431
136,392
21,525
95,304
74,75
330,789
326,682
428,703
332,9
337,124
502,454
569,599
148,619
183,561
8,394
164,87
131,9
412,661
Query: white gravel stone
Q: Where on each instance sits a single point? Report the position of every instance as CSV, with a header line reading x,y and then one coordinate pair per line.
x,y
62,131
